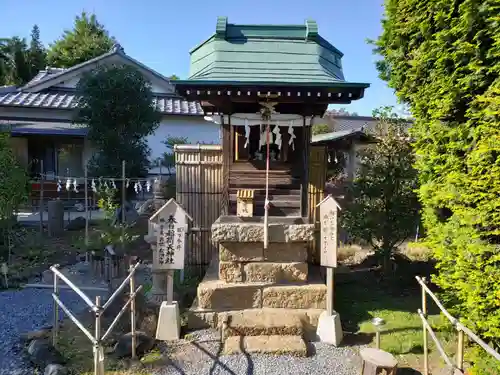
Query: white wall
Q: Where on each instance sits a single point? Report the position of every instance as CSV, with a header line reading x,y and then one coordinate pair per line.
x,y
195,129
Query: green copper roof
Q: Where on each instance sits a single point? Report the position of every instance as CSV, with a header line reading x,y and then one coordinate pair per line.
x,y
267,53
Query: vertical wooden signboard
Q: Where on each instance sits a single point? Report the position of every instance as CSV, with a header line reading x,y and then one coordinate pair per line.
x,y
171,242
328,213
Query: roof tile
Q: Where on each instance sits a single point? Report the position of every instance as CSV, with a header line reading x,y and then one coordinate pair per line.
x,y
66,100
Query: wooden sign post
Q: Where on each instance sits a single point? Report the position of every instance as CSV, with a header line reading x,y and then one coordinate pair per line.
x,y
171,242
169,256
329,327
328,209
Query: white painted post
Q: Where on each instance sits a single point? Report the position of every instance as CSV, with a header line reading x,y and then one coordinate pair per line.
x,y
329,326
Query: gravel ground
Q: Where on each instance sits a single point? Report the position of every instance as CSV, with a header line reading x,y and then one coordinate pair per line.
x,y
30,309
201,356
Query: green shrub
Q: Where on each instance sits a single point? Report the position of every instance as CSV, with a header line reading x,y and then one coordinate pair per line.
x,y
442,57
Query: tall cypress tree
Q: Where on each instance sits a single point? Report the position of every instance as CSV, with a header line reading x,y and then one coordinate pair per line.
x,y
36,53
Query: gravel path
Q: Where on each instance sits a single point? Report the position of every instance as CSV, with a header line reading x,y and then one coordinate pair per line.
x,y
30,309
200,356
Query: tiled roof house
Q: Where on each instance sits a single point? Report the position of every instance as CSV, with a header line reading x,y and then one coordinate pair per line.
x,y
40,113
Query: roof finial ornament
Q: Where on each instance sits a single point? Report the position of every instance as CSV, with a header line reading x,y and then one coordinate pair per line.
x,y
117,47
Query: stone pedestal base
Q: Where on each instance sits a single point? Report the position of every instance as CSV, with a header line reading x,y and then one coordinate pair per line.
x,y
169,322
330,328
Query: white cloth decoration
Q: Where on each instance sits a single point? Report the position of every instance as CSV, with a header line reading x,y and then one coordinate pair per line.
x,y
148,186
262,139
59,185
127,183
75,186
68,184
277,140
93,186
292,136
247,134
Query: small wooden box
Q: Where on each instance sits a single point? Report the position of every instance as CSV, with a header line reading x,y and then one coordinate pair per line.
x,y
244,203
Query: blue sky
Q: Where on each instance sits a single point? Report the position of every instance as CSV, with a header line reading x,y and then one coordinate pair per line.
x,y
159,33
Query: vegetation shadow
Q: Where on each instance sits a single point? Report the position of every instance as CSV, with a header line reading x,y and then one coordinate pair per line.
x,y
358,295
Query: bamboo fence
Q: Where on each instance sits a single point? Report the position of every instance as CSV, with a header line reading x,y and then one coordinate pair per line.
x,y
199,184
316,193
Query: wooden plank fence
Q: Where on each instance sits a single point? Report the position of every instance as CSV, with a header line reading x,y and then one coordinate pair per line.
x,y
200,189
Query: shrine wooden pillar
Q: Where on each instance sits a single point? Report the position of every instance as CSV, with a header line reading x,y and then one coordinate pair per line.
x,y
306,141
227,158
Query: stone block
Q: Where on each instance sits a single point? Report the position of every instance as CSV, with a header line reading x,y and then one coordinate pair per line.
x,y
254,232
310,296
275,272
218,295
257,322
300,232
241,252
231,272
278,345
285,252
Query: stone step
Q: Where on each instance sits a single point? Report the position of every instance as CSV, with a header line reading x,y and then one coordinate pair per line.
x,y
272,272
278,345
262,322
202,318
234,296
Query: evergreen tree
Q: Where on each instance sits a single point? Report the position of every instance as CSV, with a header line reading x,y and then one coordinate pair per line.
x,y
87,39
383,205
37,54
442,58
116,103
20,72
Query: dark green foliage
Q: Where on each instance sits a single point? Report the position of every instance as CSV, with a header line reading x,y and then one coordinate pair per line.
x,y
168,160
87,39
320,129
13,192
383,206
14,62
18,63
442,57
116,103
37,55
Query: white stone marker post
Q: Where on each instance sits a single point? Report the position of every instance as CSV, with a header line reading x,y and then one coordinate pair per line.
x,y
329,325
169,256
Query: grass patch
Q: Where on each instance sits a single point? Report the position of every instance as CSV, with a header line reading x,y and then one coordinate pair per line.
x,y
358,302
